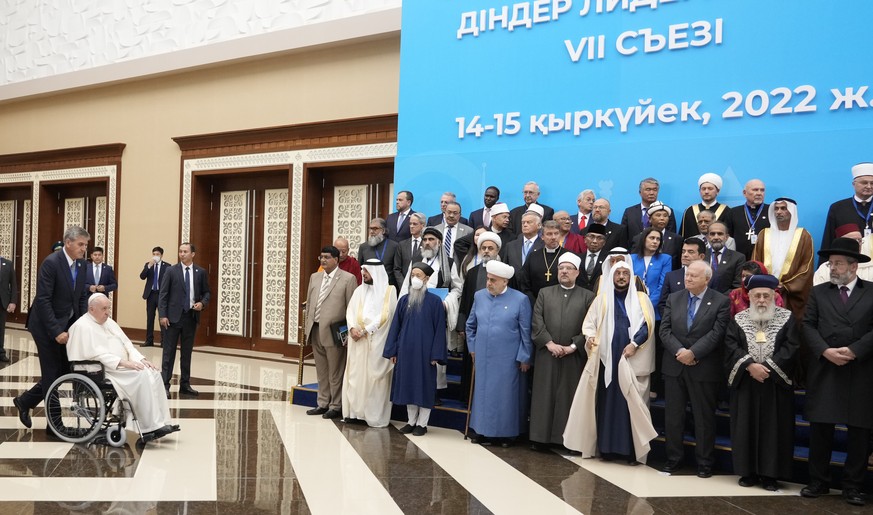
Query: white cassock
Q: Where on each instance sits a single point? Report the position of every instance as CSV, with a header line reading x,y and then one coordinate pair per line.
x,y
108,344
367,378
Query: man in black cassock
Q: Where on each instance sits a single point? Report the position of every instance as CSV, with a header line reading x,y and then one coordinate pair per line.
x,y
558,342
760,347
746,221
857,209
541,267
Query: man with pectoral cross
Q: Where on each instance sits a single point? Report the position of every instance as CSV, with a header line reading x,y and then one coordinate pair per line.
x,y
541,267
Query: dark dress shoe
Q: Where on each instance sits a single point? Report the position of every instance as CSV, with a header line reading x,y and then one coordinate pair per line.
x,y
318,410
769,484
814,489
538,447
506,443
747,481
4,358
148,344
671,466
23,413
854,497
332,413
704,471
407,429
419,431
187,390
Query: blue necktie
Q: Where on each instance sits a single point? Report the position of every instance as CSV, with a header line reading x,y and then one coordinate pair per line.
x,y
525,251
73,273
692,303
187,288
156,283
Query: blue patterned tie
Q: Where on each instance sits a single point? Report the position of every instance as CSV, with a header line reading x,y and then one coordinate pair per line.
x,y
692,302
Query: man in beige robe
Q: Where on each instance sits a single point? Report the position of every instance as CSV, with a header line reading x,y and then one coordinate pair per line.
x,y
96,337
367,378
787,252
635,364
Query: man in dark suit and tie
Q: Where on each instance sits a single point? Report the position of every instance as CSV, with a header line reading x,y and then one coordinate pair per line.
x,y
61,298
435,220
8,300
636,217
531,194
184,294
409,250
692,331
398,221
152,272
585,204
592,261
694,249
517,250
726,263
100,277
616,235
482,216
838,331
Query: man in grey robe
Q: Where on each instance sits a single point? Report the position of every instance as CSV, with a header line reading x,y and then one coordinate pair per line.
x,y
557,336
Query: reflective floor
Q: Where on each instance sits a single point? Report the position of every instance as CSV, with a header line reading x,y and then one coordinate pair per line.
x,y
245,449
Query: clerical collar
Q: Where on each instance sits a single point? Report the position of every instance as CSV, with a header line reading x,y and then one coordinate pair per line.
x,y
551,251
859,199
567,287
707,206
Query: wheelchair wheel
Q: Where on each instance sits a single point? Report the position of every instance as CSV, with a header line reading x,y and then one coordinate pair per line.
x,y
74,408
116,435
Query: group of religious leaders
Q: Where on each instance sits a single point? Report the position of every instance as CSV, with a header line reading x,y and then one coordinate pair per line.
x,y
69,320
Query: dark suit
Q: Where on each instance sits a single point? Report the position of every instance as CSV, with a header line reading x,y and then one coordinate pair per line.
x,y
616,235
589,281
674,282
512,254
574,220
8,295
107,278
839,394
728,274
386,252
404,257
698,383
59,302
476,219
174,306
150,295
391,222
738,226
632,219
517,212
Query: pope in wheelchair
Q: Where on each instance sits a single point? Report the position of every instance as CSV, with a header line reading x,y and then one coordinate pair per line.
x,y
96,337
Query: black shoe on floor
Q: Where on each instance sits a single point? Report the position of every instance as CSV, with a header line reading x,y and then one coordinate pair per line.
x,y
332,413
747,481
147,344
318,410
538,447
814,489
769,484
854,497
671,466
4,358
187,390
419,431
704,471
407,429
23,413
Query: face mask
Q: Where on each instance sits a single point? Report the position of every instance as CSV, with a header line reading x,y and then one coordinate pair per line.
x,y
157,259
417,283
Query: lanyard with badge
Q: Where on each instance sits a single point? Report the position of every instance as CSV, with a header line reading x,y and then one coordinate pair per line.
x,y
866,219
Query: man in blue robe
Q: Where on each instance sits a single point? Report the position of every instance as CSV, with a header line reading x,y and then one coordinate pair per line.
x,y
416,344
498,337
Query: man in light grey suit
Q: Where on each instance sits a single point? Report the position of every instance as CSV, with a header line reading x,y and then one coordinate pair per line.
x,y
8,300
452,228
327,298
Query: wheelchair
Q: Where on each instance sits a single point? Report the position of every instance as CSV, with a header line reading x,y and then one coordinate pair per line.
x,y
83,407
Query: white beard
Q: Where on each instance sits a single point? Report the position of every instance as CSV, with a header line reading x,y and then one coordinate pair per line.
x,y
427,253
416,297
375,240
757,314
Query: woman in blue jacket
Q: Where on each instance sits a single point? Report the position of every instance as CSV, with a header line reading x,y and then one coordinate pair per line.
x,y
651,265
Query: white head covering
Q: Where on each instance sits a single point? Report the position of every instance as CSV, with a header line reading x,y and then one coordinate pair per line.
x,y
499,269
780,241
499,208
607,263
862,169
488,236
656,206
569,257
607,328
536,208
711,178
375,294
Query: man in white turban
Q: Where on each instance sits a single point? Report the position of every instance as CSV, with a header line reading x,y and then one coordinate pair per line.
x,y
709,185
367,378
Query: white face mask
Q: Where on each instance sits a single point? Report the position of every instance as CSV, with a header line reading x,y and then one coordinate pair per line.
x,y
417,283
157,259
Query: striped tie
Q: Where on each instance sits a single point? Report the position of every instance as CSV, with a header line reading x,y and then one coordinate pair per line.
x,y
321,295
448,242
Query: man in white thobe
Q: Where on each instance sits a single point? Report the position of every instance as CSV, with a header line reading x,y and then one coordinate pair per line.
x,y
367,379
96,337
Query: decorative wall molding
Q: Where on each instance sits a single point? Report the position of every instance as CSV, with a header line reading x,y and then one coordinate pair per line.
x,y
350,210
297,159
74,212
275,267
7,229
232,262
26,250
